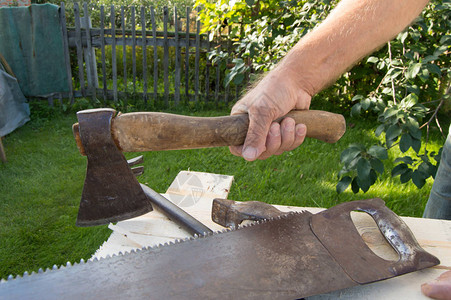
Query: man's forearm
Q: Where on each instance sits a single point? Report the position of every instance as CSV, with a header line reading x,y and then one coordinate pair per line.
x,y
354,29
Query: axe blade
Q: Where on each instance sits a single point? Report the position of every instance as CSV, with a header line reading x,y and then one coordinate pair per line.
x,y
111,192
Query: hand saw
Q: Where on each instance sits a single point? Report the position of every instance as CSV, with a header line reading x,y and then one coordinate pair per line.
x,y
292,256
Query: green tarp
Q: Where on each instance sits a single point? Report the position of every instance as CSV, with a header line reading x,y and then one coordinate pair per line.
x,y
32,44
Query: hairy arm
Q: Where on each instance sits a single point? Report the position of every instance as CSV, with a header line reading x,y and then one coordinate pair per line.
x,y
354,29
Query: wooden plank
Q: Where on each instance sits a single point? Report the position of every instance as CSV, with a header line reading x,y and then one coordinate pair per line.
x,y
197,59
166,56
60,99
89,51
159,33
133,24
159,41
144,51
155,55
113,52
81,75
229,51
192,190
188,11
102,40
124,50
207,73
177,60
121,94
218,75
50,100
217,83
2,151
66,53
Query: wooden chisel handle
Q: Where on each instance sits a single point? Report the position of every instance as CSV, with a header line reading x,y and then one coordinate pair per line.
x,y
154,131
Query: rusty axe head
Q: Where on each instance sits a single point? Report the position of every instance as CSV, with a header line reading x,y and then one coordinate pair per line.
x,y
111,192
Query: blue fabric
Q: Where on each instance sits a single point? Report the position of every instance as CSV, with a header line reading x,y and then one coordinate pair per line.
x,y
32,44
439,202
14,111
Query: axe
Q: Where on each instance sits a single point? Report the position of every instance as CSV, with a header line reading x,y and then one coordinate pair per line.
x,y
111,193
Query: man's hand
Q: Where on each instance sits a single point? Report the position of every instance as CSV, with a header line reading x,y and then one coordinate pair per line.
x,y
440,288
272,98
351,31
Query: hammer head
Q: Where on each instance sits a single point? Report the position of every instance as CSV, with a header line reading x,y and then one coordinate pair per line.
x,y
111,192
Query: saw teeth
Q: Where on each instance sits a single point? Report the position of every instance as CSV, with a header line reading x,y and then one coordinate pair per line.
x,y
176,241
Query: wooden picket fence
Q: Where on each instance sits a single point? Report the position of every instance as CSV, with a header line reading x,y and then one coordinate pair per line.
x,y
108,63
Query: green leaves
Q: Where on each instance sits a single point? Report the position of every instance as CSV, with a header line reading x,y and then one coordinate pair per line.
x,y
348,155
393,132
409,79
363,174
413,70
378,152
262,31
363,165
418,170
236,73
343,184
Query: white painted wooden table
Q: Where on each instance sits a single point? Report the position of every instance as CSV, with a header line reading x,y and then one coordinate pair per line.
x,y
195,191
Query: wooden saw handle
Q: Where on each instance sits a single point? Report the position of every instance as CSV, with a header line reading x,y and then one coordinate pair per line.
x,y
154,131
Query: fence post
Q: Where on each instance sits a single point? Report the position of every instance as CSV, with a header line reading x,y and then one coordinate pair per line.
x,y
155,55
133,24
89,53
177,60
81,75
207,72
66,52
188,11
113,52
102,48
124,50
144,47
166,56
197,58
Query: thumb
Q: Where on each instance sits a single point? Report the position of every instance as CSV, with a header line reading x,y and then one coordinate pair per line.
x,y
254,144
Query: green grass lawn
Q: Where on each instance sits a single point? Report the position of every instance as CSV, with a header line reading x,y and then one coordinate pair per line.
x,y
41,185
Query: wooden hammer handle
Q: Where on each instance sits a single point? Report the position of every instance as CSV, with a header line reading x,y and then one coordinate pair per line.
x,y
154,131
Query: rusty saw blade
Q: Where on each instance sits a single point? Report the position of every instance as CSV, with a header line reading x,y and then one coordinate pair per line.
x,y
293,256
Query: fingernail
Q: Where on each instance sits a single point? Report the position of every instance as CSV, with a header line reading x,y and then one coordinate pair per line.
x,y
275,130
301,129
249,153
289,125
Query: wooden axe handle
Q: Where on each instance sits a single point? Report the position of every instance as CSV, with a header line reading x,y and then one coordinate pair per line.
x,y
154,131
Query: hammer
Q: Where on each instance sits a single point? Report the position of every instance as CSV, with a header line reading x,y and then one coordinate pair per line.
x,y
111,192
